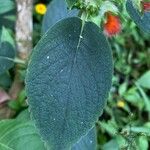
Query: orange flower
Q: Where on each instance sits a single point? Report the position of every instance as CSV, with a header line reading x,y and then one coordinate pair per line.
x,y
112,25
146,6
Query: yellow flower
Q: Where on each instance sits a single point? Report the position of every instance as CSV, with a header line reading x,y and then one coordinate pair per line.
x,y
121,104
40,8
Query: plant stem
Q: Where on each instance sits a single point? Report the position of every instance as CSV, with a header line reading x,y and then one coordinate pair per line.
x,y
24,29
19,61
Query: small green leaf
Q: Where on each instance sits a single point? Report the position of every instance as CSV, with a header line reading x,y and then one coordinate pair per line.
x,y
142,20
107,6
144,130
68,91
123,88
18,103
5,80
8,20
10,17
71,3
56,11
6,37
6,5
145,97
142,143
7,55
7,51
133,97
144,80
110,127
111,144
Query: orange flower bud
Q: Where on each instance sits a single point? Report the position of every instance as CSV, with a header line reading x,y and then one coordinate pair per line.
x,y
146,6
112,25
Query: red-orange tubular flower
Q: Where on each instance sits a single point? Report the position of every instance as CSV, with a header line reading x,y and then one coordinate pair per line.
x,y
146,6
112,25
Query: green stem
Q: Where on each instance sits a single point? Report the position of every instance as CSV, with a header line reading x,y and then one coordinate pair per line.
x,y
19,61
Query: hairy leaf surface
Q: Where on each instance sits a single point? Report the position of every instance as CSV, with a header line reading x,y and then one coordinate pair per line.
x,y
68,80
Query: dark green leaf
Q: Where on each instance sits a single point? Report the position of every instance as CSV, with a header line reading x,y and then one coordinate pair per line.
x,y
7,52
68,80
6,5
7,55
5,80
142,20
56,11
7,20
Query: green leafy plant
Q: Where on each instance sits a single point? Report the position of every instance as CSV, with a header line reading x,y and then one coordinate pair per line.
x,y
72,70
69,76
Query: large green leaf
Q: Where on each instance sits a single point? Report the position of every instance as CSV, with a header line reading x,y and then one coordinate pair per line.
x,y
68,80
142,20
144,80
56,11
16,134
7,55
6,5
